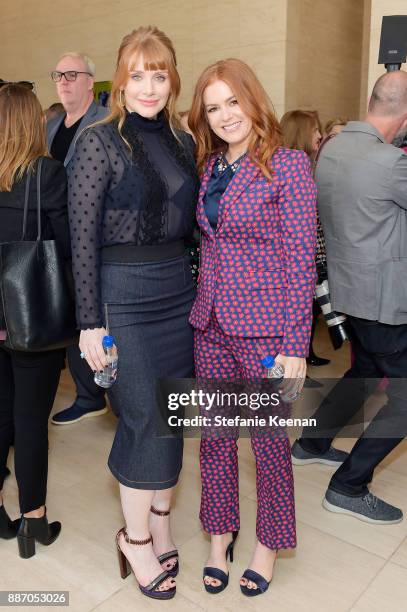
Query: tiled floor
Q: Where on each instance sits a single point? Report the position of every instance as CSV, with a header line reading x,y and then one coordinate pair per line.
x,y
340,564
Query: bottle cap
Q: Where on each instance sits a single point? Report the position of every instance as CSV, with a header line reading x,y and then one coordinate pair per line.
x,y
108,341
268,361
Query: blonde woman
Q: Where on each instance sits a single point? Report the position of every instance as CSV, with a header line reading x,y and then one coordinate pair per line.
x,y
28,381
334,126
133,187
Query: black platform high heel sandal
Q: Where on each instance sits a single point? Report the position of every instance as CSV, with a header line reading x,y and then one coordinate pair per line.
x,y
218,574
171,554
151,590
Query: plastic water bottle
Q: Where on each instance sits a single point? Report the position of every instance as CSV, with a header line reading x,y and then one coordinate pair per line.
x,y
274,369
107,377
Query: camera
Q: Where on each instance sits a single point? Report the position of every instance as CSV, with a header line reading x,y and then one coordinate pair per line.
x,y
337,325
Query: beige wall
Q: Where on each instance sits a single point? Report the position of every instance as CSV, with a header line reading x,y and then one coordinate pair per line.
x,y
34,34
324,56
364,81
380,8
306,52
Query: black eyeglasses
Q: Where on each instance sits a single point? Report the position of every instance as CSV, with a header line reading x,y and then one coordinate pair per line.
x,y
70,75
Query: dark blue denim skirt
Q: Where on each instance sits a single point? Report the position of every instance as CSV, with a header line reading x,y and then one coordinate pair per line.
x,y
148,306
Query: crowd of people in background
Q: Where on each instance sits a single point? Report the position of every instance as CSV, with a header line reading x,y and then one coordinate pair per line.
x,y
125,189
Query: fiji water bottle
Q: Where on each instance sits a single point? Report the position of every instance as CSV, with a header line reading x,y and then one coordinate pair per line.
x,y
107,377
274,369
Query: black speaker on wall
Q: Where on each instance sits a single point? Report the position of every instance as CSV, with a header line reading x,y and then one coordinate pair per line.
x,y
393,42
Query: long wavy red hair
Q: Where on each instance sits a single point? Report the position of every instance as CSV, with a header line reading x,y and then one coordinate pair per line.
x,y
252,99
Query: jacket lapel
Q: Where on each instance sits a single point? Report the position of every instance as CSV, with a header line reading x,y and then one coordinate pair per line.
x,y
244,175
52,129
201,214
88,118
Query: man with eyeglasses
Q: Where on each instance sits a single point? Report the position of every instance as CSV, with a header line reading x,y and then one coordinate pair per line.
x,y
74,79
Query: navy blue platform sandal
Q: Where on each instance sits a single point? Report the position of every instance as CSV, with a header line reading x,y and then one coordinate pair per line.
x,y
259,581
218,574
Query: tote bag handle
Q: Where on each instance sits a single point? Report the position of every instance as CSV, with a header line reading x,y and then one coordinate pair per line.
x,y
27,197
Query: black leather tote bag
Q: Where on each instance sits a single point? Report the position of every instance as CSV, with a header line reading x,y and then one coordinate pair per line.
x,y
36,288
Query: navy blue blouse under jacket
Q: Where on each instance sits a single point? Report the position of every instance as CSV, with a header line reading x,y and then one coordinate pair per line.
x,y
221,176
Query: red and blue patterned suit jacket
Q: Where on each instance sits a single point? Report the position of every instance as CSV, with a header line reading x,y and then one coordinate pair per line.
x,y
257,270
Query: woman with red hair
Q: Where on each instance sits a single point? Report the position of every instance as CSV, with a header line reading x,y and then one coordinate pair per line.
x,y
133,187
257,216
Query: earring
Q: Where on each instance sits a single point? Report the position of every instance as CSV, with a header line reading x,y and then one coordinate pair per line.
x,y
121,98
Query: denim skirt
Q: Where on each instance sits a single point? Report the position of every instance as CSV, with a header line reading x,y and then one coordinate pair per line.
x,y
148,309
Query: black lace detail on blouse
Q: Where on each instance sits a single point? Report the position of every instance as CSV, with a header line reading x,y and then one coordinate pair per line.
x,y
182,155
152,219
185,158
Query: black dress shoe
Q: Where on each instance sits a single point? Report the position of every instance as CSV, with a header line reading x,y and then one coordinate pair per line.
x,y
310,383
36,529
8,528
316,361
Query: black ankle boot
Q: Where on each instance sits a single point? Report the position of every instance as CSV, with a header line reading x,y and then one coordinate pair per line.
x,y
8,528
36,529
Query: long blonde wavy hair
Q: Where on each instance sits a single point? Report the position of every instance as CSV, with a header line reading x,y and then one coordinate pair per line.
x,y
22,133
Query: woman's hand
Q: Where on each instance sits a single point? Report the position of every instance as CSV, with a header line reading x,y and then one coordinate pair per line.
x,y
295,370
90,344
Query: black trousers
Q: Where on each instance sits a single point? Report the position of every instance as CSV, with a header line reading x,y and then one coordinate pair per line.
x,y
379,350
28,385
88,394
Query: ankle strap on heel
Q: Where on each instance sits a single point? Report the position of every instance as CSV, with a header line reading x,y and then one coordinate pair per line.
x,y
137,542
159,512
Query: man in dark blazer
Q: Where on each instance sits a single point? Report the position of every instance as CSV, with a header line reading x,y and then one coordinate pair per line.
x,y
74,79
362,202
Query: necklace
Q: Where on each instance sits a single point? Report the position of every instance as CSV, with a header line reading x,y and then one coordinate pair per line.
x,y
223,164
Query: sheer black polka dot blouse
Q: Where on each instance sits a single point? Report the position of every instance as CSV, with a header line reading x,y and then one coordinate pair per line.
x,y
140,193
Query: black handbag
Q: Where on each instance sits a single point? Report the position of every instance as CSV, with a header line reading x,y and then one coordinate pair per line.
x,y
36,288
